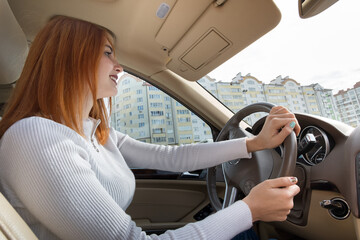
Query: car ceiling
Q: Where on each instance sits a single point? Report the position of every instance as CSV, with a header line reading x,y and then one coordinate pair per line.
x,y
191,40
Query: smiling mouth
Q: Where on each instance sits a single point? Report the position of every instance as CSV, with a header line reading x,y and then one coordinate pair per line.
x,y
114,79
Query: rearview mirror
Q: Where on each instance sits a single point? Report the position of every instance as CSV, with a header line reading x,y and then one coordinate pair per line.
x,y
310,8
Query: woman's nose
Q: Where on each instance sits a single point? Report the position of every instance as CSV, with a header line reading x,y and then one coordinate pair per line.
x,y
118,67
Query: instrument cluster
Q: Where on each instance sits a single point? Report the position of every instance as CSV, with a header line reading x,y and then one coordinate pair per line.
x,y
313,145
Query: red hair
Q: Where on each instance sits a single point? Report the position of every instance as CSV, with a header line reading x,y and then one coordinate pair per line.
x,y
60,69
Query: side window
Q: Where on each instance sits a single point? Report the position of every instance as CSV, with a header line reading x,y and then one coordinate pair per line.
x,y
147,114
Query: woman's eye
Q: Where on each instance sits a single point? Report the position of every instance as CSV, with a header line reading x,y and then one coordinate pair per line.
x,y
108,53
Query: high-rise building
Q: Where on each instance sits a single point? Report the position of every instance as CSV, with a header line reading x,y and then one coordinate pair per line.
x,y
326,102
245,90
130,108
348,103
148,114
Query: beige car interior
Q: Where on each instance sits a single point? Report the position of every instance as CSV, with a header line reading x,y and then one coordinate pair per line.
x,y
171,44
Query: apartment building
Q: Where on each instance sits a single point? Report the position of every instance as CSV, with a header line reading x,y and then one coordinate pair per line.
x,y
130,108
149,115
146,113
348,103
326,102
245,90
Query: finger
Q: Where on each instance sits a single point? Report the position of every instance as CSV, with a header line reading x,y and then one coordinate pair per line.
x,y
293,124
284,132
279,109
274,109
294,189
297,128
281,215
282,122
282,182
282,115
283,112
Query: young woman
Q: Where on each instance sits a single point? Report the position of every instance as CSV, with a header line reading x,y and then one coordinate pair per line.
x,y
67,173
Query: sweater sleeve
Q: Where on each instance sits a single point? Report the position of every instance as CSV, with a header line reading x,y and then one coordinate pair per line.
x,y
180,158
52,178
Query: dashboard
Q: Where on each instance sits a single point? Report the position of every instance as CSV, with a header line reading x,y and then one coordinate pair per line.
x,y
328,169
316,140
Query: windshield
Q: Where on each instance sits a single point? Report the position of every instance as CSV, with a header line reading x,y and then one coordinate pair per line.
x,y
308,65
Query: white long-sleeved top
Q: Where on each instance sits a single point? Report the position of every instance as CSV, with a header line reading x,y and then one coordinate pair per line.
x,y
66,187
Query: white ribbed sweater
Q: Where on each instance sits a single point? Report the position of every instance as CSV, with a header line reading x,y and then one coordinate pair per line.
x,y
65,189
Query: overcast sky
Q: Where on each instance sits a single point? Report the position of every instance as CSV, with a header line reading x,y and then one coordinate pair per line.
x,y
324,49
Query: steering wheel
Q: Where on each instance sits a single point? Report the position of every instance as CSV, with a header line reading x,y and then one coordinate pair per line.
x,y
244,174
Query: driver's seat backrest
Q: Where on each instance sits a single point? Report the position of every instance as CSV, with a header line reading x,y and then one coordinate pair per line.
x,y
12,226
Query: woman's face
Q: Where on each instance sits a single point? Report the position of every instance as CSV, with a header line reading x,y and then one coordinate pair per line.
x,y
108,73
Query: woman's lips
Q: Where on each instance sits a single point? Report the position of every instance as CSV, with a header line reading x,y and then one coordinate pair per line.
x,y
114,78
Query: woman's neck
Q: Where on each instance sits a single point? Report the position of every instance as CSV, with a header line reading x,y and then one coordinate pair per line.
x,y
87,108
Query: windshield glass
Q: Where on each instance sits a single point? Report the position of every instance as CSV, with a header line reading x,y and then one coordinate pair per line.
x,y
308,65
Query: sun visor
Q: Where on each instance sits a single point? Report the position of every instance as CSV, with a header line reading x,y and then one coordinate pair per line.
x,y
218,33
13,45
172,30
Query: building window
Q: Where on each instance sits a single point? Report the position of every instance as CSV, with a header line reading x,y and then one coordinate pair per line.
x,y
183,112
127,106
156,104
184,119
226,97
125,81
185,137
154,96
158,130
157,113
185,128
157,121
159,139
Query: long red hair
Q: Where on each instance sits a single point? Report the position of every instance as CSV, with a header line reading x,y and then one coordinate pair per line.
x,y
60,69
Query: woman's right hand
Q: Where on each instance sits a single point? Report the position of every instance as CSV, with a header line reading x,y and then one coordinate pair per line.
x,y
272,199
278,125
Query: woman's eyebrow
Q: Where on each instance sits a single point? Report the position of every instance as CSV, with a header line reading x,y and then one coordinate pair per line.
x,y
109,47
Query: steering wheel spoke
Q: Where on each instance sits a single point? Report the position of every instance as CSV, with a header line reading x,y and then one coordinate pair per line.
x,y
230,195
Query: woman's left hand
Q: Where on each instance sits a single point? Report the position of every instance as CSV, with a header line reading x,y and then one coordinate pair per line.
x,y
278,125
